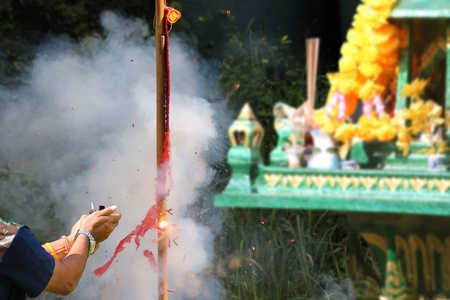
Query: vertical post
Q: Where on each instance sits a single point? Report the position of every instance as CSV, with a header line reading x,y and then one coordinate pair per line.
x,y
404,66
447,86
312,58
160,134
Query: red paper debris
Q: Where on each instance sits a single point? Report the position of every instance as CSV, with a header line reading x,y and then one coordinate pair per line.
x,y
228,13
151,259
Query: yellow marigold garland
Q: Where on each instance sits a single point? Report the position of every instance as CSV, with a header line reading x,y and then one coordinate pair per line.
x,y
367,70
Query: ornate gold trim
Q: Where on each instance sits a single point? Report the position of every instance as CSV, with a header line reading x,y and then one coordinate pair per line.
x,y
416,244
344,182
319,181
331,181
392,182
401,244
376,240
368,182
418,184
272,179
295,180
442,184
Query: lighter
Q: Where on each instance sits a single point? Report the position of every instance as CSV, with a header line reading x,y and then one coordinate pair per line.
x,y
100,207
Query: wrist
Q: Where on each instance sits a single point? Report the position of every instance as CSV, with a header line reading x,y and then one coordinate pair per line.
x,y
91,239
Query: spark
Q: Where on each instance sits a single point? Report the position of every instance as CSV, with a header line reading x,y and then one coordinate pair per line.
x,y
163,224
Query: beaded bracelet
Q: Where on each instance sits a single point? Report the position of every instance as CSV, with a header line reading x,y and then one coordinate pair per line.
x,y
67,244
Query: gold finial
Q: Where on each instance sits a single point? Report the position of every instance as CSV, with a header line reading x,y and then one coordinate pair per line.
x,y
246,113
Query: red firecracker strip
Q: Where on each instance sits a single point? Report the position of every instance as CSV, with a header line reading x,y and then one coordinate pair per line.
x,y
151,219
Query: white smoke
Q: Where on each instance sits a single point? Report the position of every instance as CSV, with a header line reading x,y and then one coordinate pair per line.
x,y
87,120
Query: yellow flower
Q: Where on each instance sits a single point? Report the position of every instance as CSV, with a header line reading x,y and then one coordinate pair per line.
x,y
389,46
370,70
386,133
349,49
415,88
404,140
390,60
366,133
367,55
347,64
442,147
331,126
368,91
345,132
327,124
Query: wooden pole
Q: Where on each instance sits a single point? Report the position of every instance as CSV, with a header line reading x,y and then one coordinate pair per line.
x,y
160,133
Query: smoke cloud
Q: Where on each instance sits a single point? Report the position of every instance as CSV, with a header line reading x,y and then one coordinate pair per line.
x,y
85,126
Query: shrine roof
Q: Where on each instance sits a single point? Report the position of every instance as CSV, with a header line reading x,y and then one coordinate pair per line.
x,y
421,9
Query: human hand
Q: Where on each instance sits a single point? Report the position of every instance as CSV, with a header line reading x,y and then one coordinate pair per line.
x,y
75,227
101,223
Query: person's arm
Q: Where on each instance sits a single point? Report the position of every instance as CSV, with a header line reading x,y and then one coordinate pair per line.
x,y
67,273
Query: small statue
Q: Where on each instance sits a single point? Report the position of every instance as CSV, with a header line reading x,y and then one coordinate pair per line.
x,y
325,153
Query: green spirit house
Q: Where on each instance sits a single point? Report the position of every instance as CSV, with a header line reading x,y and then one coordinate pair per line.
x,y
396,203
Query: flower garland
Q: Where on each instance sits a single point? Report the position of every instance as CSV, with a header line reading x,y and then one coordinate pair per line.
x,y
367,71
